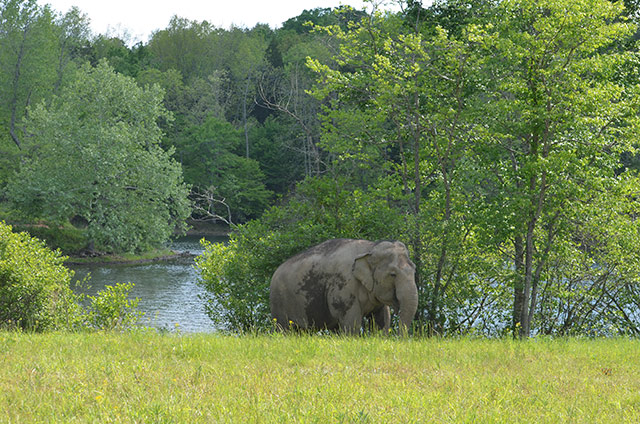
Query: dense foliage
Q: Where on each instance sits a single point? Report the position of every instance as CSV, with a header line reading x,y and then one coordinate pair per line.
x,y
233,114
35,291
93,155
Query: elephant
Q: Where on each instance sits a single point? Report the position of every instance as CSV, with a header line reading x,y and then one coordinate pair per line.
x,y
335,284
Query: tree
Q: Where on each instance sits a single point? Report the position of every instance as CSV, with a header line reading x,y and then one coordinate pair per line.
x,y
184,46
556,122
190,105
342,15
282,163
241,54
123,59
37,53
73,34
399,119
285,88
93,154
27,60
212,157
285,91
503,134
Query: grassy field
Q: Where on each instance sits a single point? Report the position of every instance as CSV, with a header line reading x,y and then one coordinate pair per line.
x,y
147,377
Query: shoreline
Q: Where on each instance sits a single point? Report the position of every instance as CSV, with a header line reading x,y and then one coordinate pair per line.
x,y
152,256
128,259
207,229
124,260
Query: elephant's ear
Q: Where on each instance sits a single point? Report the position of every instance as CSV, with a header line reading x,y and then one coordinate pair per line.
x,y
363,272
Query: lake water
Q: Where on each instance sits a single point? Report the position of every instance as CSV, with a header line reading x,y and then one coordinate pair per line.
x,y
168,292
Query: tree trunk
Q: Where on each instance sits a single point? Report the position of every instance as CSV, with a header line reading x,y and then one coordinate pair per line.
x,y
518,285
244,117
14,95
417,199
436,322
525,317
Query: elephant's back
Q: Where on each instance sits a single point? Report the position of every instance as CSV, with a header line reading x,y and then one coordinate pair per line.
x,y
325,258
329,251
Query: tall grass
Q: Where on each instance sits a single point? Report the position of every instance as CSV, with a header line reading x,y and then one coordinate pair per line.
x,y
154,378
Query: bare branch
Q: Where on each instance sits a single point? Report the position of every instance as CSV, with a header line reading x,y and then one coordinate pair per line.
x,y
206,204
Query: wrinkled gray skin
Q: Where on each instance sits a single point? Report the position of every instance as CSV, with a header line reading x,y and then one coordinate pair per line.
x,y
335,284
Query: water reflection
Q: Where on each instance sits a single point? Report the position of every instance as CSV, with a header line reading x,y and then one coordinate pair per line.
x,y
168,292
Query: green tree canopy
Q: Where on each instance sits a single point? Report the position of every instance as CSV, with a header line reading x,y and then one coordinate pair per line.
x,y
557,120
212,156
28,51
94,155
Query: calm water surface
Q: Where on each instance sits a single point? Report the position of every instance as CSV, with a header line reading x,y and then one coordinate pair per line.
x,y
168,293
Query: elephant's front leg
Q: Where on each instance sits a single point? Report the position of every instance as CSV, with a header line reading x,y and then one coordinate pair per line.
x,y
382,318
351,322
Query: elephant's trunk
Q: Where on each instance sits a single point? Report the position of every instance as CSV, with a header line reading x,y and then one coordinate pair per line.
x,y
407,296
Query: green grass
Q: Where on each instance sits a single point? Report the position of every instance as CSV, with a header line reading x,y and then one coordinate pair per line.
x,y
155,378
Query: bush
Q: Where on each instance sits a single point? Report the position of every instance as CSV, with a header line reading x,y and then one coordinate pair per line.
x,y
35,292
236,276
67,238
111,308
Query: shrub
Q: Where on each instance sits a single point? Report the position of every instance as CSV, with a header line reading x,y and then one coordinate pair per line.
x,y
111,308
35,292
67,238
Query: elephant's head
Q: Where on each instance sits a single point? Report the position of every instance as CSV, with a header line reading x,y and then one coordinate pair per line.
x,y
388,273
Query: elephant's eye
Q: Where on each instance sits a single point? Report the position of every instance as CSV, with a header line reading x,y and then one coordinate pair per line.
x,y
393,274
